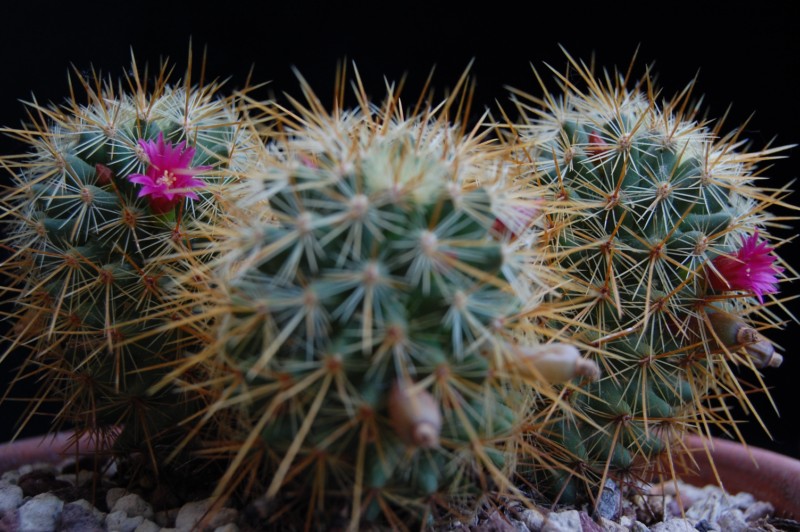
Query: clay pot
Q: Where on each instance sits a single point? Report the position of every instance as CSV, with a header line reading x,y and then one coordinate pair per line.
x,y
50,449
767,475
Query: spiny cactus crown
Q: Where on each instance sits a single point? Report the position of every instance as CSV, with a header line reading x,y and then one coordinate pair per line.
x,y
650,201
370,308
95,215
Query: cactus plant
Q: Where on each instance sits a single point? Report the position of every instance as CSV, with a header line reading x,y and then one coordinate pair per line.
x,y
329,308
357,313
95,220
662,227
368,344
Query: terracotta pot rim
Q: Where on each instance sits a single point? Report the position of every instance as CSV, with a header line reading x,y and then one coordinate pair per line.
x,y
50,448
767,475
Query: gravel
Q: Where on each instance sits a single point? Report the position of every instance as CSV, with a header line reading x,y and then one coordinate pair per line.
x,y
43,498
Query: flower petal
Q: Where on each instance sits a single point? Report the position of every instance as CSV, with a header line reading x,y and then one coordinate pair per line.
x,y
752,268
169,176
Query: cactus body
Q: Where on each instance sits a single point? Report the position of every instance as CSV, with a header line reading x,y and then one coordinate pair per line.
x,y
367,338
653,206
93,257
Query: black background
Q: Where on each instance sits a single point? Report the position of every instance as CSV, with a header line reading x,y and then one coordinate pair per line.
x,y
748,58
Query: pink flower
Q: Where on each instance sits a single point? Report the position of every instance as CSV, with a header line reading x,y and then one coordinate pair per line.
x,y
169,177
751,268
513,222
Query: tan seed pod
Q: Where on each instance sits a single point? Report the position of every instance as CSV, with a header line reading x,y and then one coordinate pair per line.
x,y
555,363
414,415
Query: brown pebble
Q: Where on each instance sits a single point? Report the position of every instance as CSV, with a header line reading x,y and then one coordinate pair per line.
x,y
9,521
37,482
496,522
164,498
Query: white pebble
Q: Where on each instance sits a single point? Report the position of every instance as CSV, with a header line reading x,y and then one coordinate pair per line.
x,y
39,467
166,517
133,505
733,521
147,526
223,516
40,513
113,495
86,505
193,512
741,501
85,477
709,508
674,525
119,522
10,476
498,521
230,527
758,510
611,526
533,518
111,469
690,495
568,521
10,497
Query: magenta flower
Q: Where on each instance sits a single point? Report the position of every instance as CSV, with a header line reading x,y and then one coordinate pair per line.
x,y
169,177
513,222
750,268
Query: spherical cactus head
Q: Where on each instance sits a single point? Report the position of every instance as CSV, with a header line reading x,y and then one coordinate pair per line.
x,y
660,226
368,307
96,221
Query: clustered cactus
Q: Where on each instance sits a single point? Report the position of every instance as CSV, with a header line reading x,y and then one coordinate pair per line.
x,y
377,312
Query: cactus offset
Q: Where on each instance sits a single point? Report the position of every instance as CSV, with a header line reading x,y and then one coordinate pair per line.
x,y
95,222
655,209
